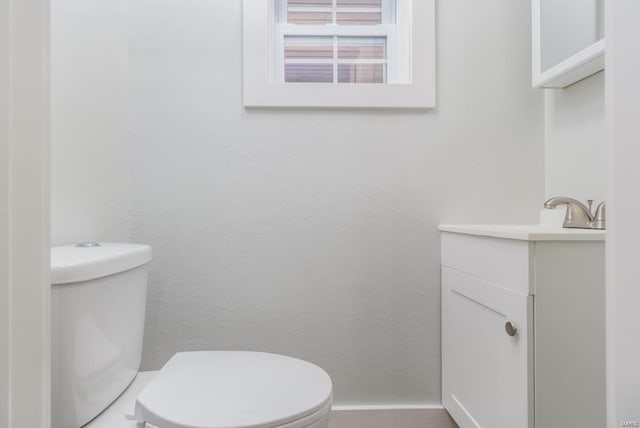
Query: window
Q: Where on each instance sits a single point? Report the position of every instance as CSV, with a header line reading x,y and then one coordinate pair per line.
x,y
338,53
333,59
336,41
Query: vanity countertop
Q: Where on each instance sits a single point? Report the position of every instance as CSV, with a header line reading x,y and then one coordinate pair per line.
x,y
533,232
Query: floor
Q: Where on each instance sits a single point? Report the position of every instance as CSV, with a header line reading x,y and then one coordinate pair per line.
x,y
400,418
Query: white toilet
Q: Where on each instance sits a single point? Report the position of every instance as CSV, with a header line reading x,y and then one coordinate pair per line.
x,y
98,307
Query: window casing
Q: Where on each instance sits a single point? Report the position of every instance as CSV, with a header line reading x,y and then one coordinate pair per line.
x,y
339,53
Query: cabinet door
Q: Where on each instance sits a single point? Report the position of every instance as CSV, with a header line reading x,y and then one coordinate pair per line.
x,y
486,373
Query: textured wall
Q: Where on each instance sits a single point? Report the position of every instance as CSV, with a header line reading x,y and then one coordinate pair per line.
x,y
575,140
314,233
90,106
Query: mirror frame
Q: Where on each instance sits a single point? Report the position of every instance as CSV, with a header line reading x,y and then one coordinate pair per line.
x,y
573,69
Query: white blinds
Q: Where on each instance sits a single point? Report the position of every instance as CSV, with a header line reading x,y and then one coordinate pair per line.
x,y
340,12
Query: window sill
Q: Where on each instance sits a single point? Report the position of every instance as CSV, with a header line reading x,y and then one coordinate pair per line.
x,y
329,95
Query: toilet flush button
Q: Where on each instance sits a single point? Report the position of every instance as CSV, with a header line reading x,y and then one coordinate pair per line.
x,y
87,245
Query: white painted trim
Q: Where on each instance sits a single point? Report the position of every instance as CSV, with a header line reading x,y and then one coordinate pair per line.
x,y
390,416
25,212
346,408
575,68
5,116
623,234
260,91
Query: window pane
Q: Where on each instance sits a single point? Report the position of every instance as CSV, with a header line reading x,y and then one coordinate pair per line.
x,y
376,4
305,12
310,18
308,47
308,73
359,18
361,73
316,58
362,48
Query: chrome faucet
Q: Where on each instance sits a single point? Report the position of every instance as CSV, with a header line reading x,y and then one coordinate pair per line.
x,y
578,215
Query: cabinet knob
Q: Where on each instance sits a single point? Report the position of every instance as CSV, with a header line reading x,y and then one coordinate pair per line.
x,y
510,328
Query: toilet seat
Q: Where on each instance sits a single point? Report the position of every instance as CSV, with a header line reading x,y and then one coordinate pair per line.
x,y
235,390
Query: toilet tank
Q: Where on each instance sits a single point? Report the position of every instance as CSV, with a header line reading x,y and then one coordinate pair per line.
x,y
98,301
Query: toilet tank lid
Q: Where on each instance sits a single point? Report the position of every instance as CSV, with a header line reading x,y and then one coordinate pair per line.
x,y
87,261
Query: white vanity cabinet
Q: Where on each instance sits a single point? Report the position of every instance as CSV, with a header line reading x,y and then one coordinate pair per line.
x,y
523,325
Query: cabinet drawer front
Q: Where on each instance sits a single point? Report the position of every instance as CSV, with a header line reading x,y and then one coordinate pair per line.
x,y
506,262
486,374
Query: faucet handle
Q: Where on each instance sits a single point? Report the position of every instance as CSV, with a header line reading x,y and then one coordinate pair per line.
x,y
600,217
590,204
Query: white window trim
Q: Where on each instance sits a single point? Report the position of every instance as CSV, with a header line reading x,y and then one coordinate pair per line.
x,y
260,90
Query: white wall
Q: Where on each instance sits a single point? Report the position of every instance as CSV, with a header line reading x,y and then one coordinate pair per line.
x,y
575,140
623,292
90,104
314,233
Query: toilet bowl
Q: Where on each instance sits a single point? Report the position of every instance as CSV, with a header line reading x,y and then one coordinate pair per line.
x,y
235,389
98,305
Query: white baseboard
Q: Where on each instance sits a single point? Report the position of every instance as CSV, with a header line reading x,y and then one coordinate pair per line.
x,y
396,416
